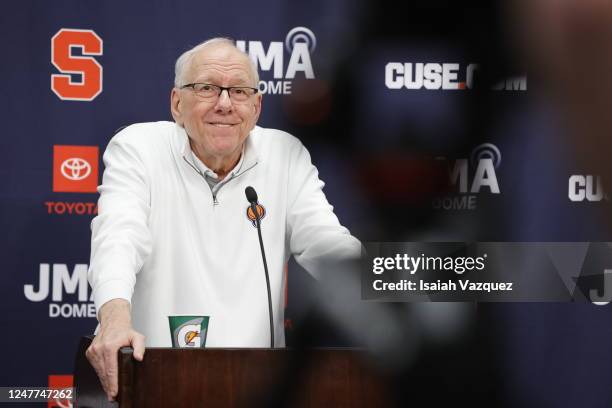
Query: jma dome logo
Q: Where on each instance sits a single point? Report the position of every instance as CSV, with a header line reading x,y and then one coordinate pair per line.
x,y
298,46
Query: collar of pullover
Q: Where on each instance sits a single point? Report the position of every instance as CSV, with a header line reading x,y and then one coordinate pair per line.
x,y
247,160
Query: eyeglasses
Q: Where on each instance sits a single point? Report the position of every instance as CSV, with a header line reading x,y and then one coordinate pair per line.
x,y
212,92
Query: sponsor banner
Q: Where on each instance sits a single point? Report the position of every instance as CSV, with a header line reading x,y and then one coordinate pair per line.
x,y
71,208
63,293
280,62
586,187
75,169
488,271
471,178
442,76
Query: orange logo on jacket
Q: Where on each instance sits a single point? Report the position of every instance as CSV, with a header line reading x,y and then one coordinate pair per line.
x,y
261,211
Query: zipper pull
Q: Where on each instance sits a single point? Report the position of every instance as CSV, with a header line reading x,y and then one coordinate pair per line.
x,y
215,202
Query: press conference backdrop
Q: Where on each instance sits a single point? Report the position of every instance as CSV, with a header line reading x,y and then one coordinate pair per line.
x,y
372,94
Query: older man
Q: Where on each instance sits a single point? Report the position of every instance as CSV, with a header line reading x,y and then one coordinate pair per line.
x,y
173,234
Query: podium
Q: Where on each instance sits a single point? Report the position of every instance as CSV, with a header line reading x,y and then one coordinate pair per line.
x,y
217,377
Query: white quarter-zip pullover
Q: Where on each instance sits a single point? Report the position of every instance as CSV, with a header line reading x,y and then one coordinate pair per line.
x,y
163,241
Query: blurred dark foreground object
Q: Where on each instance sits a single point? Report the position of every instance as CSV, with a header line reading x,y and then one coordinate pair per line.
x,y
235,378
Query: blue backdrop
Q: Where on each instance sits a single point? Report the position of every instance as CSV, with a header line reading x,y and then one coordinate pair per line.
x,y
380,106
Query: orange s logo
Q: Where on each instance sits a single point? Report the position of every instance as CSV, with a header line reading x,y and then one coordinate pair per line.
x,y
90,83
261,212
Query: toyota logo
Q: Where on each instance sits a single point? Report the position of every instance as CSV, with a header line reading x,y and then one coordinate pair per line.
x,y
75,169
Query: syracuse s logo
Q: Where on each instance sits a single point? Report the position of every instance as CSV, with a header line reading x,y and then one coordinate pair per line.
x,y
261,212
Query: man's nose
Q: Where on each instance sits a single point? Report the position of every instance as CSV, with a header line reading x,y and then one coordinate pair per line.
x,y
224,102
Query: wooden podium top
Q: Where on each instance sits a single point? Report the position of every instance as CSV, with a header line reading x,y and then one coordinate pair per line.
x,y
219,377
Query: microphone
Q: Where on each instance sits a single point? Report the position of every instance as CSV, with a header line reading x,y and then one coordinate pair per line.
x,y
251,197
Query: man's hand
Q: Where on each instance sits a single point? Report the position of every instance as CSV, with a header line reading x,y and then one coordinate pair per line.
x,y
115,332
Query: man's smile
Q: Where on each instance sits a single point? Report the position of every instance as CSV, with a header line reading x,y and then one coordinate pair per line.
x,y
221,124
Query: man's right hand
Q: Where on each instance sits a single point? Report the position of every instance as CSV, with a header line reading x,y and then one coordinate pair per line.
x,y
115,332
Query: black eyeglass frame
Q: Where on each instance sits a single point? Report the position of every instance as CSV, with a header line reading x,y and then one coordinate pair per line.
x,y
221,88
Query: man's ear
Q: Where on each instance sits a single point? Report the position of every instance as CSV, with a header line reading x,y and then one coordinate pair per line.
x,y
175,106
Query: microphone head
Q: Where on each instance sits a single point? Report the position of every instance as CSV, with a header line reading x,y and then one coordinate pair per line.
x,y
251,195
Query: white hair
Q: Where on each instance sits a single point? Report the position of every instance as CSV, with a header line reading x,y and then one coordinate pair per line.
x,y
183,62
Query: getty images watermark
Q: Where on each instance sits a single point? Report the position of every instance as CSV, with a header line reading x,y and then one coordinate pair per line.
x,y
489,271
